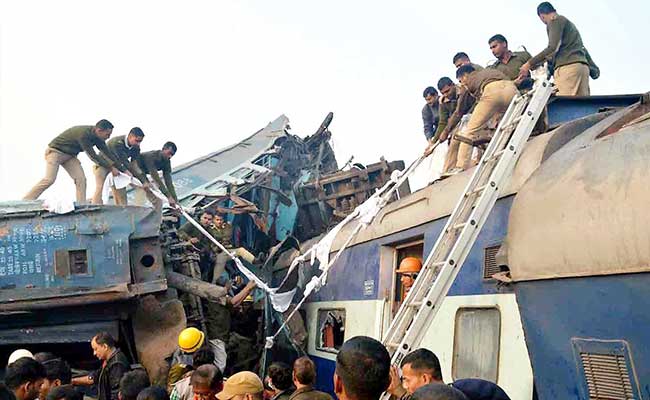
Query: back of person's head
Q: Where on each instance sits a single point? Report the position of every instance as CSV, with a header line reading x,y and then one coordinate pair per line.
x,y
22,371
203,356
438,391
498,38
425,361
132,383
461,55
444,82
545,8
64,392
480,389
362,369
171,146
153,393
463,70
105,338
43,356
207,376
429,91
57,368
104,124
304,371
280,374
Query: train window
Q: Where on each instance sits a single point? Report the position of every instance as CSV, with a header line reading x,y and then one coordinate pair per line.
x,y
477,355
331,328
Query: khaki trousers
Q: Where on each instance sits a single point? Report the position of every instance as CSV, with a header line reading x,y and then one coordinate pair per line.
x,y
572,80
452,155
119,195
54,159
495,99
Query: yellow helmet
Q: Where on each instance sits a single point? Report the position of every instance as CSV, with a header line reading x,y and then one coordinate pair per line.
x,y
248,299
190,340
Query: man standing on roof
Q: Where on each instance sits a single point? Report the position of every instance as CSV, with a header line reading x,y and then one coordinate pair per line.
x,y
430,113
408,271
126,152
63,151
572,63
508,62
461,58
159,160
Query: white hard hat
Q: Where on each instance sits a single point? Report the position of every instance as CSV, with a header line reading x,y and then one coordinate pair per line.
x,y
20,353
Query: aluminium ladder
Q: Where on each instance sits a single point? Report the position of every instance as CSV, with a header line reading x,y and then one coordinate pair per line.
x,y
464,224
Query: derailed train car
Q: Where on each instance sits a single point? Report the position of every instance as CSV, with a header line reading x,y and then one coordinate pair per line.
x,y
64,277
552,299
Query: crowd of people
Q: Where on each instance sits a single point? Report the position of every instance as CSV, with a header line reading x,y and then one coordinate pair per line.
x,y
363,372
484,94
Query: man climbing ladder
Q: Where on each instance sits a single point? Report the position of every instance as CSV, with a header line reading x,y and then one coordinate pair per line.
x,y
448,254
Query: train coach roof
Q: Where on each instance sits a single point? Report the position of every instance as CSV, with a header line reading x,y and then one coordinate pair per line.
x,y
583,212
438,200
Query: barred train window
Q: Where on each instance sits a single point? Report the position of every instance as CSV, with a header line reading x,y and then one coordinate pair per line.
x,y
477,343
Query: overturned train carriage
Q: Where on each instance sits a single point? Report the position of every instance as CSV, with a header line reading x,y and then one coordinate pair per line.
x,y
552,299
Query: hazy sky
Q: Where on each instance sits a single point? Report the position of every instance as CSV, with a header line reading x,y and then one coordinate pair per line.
x,y
206,74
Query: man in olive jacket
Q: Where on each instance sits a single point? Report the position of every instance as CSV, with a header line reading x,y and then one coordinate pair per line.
x,y
304,378
63,151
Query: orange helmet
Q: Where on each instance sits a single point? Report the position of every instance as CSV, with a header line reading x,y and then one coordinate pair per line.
x,y
410,265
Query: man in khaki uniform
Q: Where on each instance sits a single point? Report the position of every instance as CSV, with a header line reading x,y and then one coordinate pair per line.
x,y
565,49
159,160
454,103
63,151
126,152
493,92
508,62
461,58
304,379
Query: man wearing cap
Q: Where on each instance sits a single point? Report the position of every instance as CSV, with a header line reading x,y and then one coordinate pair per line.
x,y
20,353
189,341
243,385
408,271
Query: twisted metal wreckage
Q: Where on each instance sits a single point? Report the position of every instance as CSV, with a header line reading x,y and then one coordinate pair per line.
x,y
110,268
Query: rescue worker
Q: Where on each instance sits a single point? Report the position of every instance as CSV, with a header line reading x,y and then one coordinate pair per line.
x,y
182,389
24,378
114,366
159,160
126,152
493,92
461,58
408,271
571,61
207,249
190,342
63,151
508,62
450,114
430,113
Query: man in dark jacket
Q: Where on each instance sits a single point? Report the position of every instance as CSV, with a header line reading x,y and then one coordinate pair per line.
x,y
114,366
430,113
